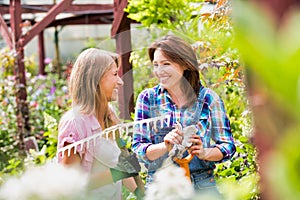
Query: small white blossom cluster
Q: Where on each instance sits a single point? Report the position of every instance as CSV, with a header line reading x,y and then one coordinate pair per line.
x,y
50,181
170,183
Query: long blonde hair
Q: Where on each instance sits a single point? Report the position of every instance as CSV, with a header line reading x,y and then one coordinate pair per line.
x,y
84,84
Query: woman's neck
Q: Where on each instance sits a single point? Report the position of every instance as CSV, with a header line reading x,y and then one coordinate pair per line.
x,y
178,97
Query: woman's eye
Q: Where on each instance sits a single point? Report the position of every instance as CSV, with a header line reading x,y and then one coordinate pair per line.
x,y
161,65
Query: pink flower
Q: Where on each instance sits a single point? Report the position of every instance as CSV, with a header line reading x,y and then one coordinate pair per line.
x,y
47,61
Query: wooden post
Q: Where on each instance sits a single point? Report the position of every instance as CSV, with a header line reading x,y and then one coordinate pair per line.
x,y
22,110
57,65
126,104
41,53
18,43
121,32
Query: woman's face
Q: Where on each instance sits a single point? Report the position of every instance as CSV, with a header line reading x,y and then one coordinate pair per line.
x,y
110,83
168,73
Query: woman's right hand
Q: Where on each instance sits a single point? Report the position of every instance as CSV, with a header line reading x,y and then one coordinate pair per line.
x,y
155,151
173,137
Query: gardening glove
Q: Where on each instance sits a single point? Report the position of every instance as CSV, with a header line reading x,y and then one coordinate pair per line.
x,y
128,166
138,193
128,162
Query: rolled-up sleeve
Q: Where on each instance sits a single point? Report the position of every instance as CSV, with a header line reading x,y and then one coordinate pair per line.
x,y
141,136
221,131
68,134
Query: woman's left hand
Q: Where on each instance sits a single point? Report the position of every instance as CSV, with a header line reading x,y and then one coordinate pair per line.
x,y
197,147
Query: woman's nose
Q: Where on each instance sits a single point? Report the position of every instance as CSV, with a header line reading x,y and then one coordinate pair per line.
x,y
159,69
120,81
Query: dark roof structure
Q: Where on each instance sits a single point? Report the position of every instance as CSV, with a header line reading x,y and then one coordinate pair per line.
x,y
70,14
14,16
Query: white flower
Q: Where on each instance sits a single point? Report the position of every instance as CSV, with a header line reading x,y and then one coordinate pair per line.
x,y
28,75
51,181
170,183
64,89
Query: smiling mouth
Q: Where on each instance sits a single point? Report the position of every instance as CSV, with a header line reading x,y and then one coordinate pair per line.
x,y
162,79
115,90
114,95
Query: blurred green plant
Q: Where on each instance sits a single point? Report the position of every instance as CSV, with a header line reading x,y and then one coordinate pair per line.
x,y
47,99
51,135
164,14
8,123
271,53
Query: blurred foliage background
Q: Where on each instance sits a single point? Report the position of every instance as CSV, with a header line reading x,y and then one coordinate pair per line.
x,y
269,48
208,27
242,55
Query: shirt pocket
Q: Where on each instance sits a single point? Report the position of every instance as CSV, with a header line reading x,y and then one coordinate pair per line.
x,y
160,111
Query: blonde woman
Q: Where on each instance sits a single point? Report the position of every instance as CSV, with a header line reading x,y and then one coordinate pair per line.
x,y
94,82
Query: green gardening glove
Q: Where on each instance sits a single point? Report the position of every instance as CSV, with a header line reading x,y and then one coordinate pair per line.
x,y
119,175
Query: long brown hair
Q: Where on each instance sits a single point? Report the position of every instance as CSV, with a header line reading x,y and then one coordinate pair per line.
x,y
180,52
84,84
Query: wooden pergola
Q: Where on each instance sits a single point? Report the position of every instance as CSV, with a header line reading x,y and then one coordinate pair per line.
x,y
81,14
99,14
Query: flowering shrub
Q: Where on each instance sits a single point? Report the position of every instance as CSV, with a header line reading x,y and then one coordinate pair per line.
x,y
47,99
8,125
170,183
50,181
220,69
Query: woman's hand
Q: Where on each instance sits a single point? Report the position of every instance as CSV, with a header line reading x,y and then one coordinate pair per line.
x,y
174,137
197,147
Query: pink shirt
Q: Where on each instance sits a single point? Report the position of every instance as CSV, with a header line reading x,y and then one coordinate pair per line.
x,y
97,157
75,126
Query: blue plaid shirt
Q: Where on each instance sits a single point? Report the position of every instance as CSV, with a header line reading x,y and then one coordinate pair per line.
x,y
211,121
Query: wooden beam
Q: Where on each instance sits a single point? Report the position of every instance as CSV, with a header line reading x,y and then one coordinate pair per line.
x,y
90,8
119,16
38,27
84,20
5,32
126,94
74,8
83,14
